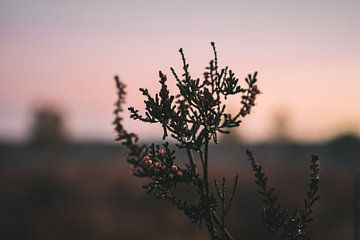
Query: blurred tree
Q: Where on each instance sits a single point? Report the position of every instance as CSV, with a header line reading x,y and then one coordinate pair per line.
x,y
48,127
346,148
280,130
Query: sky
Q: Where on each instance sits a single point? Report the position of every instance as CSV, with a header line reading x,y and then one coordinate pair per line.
x,y
65,54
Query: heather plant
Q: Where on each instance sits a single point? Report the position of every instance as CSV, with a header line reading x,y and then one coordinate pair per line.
x,y
194,117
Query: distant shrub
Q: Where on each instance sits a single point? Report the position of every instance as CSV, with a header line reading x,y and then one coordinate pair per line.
x,y
48,128
194,117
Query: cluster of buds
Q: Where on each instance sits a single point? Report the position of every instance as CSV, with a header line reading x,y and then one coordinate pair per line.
x,y
176,170
148,162
252,160
315,167
248,100
159,168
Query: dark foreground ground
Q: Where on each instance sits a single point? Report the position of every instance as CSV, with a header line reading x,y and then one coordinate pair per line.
x,y
85,191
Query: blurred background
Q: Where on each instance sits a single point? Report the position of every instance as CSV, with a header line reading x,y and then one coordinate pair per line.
x,y
63,177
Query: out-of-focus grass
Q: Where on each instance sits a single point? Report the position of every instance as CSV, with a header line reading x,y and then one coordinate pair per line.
x,y
68,198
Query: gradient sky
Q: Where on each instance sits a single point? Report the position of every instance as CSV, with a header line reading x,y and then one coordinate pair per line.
x,y
65,53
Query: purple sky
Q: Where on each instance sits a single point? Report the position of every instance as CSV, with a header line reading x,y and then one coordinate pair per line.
x,y
66,53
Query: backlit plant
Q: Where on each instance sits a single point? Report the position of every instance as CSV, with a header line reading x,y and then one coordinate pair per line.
x,y
194,117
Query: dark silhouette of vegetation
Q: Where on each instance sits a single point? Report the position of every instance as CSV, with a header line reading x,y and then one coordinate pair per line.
x,y
344,147
194,117
357,207
278,220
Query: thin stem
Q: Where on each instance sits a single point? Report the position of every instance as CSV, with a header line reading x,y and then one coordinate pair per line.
x,y
206,163
191,160
232,193
218,222
223,208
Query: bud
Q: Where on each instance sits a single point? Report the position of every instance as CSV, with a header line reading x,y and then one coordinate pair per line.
x,y
179,173
174,168
146,158
148,163
162,152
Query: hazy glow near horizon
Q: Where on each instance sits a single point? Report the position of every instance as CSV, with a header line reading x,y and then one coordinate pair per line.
x,y
66,52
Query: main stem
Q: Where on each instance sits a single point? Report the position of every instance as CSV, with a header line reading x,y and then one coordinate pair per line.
x,y
218,222
211,213
208,218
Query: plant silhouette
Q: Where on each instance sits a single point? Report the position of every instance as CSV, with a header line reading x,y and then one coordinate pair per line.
x,y
194,117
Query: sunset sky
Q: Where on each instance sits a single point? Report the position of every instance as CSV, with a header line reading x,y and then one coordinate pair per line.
x,y
65,53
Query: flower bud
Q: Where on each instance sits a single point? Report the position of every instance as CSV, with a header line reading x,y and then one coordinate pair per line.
x,y
162,152
174,168
148,162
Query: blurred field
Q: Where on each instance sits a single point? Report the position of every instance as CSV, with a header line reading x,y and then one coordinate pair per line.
x,y
85,191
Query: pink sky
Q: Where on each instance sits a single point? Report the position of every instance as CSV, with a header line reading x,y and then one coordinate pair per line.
x,y
66,53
